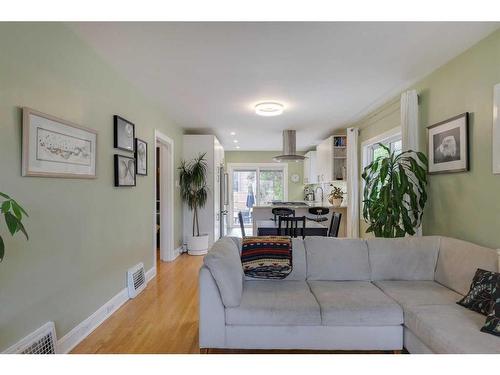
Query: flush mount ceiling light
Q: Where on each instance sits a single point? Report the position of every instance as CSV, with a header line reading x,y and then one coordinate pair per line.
x,y
268,109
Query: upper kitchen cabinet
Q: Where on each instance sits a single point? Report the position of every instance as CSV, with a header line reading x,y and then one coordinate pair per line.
x,y
310,169
331,159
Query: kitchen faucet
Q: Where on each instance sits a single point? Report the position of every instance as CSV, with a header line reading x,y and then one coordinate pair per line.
x,y
315,190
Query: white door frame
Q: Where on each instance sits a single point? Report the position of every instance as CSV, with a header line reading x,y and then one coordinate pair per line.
x,y
167,251
257,167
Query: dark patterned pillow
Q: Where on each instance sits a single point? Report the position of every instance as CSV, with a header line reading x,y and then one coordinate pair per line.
x,y
480,298
266,257
492,324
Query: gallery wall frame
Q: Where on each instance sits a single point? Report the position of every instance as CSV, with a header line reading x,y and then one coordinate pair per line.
x,y
123,134
124,167
53,147
141,157
448,145
496,130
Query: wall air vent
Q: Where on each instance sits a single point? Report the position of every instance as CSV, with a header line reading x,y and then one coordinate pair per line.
x,y
41,341
136,280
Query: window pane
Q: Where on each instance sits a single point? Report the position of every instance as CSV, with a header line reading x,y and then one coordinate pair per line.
x,y
379,152
397,146
271,186
244,195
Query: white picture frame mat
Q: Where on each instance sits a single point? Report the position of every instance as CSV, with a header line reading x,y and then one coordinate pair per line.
x,y
457,164
34,167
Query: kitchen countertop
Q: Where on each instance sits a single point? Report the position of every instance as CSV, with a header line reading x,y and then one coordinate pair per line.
x,y
309,205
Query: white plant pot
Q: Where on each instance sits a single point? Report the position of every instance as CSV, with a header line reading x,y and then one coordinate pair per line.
x,y
198,245
336,202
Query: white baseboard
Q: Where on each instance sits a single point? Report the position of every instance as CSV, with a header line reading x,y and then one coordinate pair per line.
x,y
150,274
85,328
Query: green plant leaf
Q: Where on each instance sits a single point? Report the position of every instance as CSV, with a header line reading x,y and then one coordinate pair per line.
x,y
2,249
20,227
5,206
4,195
11,222
17,206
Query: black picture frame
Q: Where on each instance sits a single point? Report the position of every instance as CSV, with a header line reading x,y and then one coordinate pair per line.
x,y
455,153
138,157
119,124
119,179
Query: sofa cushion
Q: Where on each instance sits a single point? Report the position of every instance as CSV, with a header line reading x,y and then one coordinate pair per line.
x,y
410,258
458,261
223,261
450,329
355,303
415,293
336,259
267,302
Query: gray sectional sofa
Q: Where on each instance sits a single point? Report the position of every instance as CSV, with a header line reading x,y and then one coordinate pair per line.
x,y
349,294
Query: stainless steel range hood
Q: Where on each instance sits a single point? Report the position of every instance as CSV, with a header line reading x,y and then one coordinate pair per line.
x,y
289,148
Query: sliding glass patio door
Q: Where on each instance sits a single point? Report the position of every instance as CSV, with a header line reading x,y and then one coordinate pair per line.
x,y
255,184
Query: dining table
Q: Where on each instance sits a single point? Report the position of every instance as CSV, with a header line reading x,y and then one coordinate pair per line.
x,y
270,228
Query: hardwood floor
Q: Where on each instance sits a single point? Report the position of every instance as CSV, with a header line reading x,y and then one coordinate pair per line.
x,y
162,319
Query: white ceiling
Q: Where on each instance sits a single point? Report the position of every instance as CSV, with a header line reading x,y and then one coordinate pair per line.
x,y
208,76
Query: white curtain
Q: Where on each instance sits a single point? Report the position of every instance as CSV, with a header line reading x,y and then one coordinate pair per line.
x,y
409,125
409,120
352,183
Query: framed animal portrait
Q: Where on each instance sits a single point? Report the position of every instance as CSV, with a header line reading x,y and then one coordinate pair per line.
x,y
448,145
141,157
53,147
124,134
124,171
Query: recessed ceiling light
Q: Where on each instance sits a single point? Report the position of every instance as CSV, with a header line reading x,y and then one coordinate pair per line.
x,y
232,133
235,140
269,109
237,147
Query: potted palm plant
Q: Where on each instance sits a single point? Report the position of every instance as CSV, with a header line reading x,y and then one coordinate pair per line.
x,y
395,193
13,213
194,192
336,196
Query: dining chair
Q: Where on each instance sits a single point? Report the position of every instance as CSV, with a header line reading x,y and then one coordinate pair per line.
x,y
320,213
282,212
242,227
288,226
333,231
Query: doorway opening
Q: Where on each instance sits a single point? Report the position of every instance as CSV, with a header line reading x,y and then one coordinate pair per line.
x,y
163,225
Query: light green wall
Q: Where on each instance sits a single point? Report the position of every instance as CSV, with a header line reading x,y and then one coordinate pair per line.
x,y
84,234
295,189
461,205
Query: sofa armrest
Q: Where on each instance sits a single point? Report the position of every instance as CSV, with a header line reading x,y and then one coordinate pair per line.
x,y
212,329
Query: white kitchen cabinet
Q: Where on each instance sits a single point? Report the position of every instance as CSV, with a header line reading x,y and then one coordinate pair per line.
x,y
331,159
310,169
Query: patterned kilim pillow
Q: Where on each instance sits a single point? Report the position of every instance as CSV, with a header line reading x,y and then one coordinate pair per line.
x,y
267,257
492,324
480,298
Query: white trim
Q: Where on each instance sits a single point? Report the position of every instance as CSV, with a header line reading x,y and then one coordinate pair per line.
x,y
252,166
85,328
150,274
167,251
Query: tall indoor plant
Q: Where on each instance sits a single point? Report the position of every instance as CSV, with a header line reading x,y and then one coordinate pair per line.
x,y
194,192
13,214
395,193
